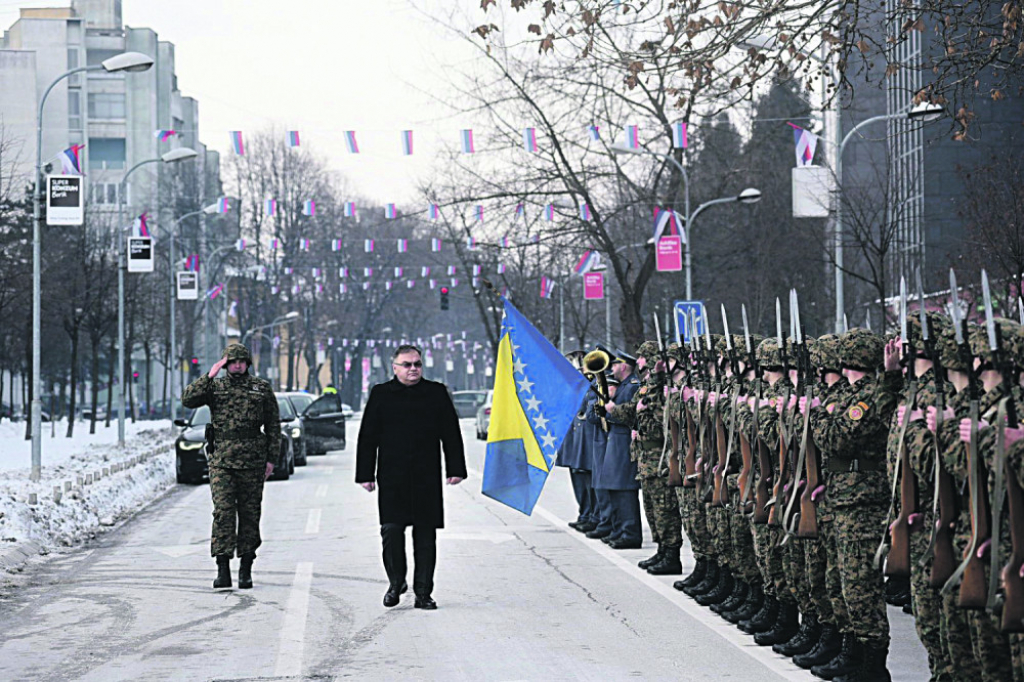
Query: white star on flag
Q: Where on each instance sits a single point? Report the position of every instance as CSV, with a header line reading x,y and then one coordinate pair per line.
x,y
520,366
549,440
525,385
533,404
541,422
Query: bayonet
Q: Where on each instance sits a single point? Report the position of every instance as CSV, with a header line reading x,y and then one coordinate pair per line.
x,y
954,308
1020,309
725,326
778,322
846,324
746,328
990,322
925,336
904,337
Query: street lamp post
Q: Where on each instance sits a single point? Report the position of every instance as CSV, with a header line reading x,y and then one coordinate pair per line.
x,y
180,154
128,62
284,318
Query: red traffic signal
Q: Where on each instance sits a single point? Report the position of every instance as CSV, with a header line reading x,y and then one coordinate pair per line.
x,y
195,361
444,290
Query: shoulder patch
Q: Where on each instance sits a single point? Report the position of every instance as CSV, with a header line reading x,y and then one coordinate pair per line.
x,y
643,390
856,412
830,408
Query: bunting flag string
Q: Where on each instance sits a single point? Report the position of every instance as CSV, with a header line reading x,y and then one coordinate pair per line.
x,y
293,138
679,139
407,142
547,287
403,245
236,142
466,137
270,207
350,142
530,139
164,135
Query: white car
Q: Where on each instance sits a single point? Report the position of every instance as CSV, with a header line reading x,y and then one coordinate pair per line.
x,y
483,417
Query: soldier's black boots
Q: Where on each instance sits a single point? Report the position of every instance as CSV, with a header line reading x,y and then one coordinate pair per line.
x,y
848,660
721,591
669,564
245,571
735,598
707,583
785,627
699,569
763,620
897,591
223,572
872,666
830,643
804,640
651,560
750,606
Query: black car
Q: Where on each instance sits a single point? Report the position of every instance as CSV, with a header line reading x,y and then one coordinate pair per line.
x,y
190,446
299,401
323,424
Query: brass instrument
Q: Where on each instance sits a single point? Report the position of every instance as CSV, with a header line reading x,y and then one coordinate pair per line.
x,y
595,363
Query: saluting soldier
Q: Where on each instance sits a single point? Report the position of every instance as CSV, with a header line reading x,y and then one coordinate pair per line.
x,y
246,438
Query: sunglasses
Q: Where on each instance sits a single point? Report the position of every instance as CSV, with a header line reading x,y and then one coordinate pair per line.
x,y
408,365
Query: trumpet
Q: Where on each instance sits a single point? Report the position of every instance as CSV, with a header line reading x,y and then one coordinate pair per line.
x,y
595,363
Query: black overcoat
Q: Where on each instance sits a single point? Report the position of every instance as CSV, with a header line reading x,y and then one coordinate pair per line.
x,y
400,440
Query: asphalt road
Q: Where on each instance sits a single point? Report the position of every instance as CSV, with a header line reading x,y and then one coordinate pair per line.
x,y
520,598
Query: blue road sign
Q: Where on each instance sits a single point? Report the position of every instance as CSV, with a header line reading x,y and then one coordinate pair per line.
x,y
683,309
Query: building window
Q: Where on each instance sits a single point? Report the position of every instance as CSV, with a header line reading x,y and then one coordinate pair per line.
x,y
104,193
73,63
106,153
106,105
74,110
97,57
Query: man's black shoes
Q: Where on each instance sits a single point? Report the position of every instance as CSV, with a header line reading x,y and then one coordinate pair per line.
x,y
597,534
391,597
625,544
425,602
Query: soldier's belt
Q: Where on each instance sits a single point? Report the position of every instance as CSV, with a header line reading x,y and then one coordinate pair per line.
x,y
855,464
237,434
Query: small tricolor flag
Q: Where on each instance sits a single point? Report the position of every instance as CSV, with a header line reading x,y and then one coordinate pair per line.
x,y
435,212
368,245
594,132
666,223
425,271
350,142
335,245
633,137
293,138
366,286
399,271
215,291
520,211
387,285
270,207
139,227
71,160
309,207
222,205
289,270
164,135
549,213
471,243
588,261
304,244
451,270
501,268
547,287
319,288
367,272
407,142
584,211
275,243
806,143
236,142
410,284
435,244
679,138
296,289
240,245
350,209
455,281
316,273
192,263
390,211
403,246
535,239
275,290
479,212
466,137
432,283
343,288
343,273
505,242
530,139
476,270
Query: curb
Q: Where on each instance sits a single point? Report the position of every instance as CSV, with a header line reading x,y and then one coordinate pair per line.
x,y
16,555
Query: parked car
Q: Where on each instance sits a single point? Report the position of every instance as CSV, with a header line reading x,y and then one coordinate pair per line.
x,y
483,417
324,423
347,410
468,402
299,400
190,461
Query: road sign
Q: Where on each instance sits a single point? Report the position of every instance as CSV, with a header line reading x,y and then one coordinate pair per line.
x,y
140,254
683,309
65,201
188,286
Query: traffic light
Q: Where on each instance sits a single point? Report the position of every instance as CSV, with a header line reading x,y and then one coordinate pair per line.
x,y
135,377
444,298
194,369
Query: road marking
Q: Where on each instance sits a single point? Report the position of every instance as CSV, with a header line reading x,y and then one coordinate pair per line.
x,y
177,551
705,617
293,628
313,522
321,490
496,538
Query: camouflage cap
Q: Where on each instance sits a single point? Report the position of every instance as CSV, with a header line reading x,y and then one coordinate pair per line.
x,y
825,353
768,355
237,351
1009,335
648,350
674,352
936,322
861,349
945,344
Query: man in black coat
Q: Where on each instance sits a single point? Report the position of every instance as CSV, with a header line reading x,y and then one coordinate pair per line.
x,y
405,423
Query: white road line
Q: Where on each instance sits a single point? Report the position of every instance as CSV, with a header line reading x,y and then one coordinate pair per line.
x,y
293,628
705,617
321,490
313,522
185,537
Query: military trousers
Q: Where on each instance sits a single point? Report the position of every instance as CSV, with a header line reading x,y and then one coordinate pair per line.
x,y
625,506
743,561
928,605
662,511
585,498
605,518
237,503
857,530
815,568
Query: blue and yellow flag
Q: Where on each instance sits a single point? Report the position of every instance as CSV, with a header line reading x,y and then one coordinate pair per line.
x,y
537,394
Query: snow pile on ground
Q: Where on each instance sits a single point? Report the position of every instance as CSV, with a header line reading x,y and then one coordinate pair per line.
x,y
88,486
16,452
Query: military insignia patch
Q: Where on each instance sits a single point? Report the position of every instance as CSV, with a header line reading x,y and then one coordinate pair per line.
x,y
856,412
772,402
643,390
830,408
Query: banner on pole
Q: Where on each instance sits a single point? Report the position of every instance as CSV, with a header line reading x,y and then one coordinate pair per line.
x,y
140,254
593,286
65,201
188,286
669,251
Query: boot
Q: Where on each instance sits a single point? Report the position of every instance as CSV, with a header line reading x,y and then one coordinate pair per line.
x,y
651,560
245,571
699,569
897,590
785,627
764,619
830,643
804,640
721,591
750,606
909,607
669,563
848,660
872,666
706,583
735,598
223,572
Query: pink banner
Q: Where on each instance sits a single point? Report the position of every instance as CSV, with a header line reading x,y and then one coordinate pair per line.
x,y
366,374
670,254
593,286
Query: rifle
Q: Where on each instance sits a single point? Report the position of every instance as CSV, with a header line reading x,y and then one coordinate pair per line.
x,y
720,497
898,561
704,491
944,506
690,460
764,462
779,489
674,479
806,386
746,479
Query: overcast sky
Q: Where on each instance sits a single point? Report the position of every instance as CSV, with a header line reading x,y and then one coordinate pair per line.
x,y
317,66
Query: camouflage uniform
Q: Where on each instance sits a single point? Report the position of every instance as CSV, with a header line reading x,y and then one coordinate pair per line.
x,y
239,405
854,436
769,538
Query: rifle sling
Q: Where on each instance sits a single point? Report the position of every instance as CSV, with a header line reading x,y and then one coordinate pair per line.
x,y
883,546
973,484
927,555
998,496
787,520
